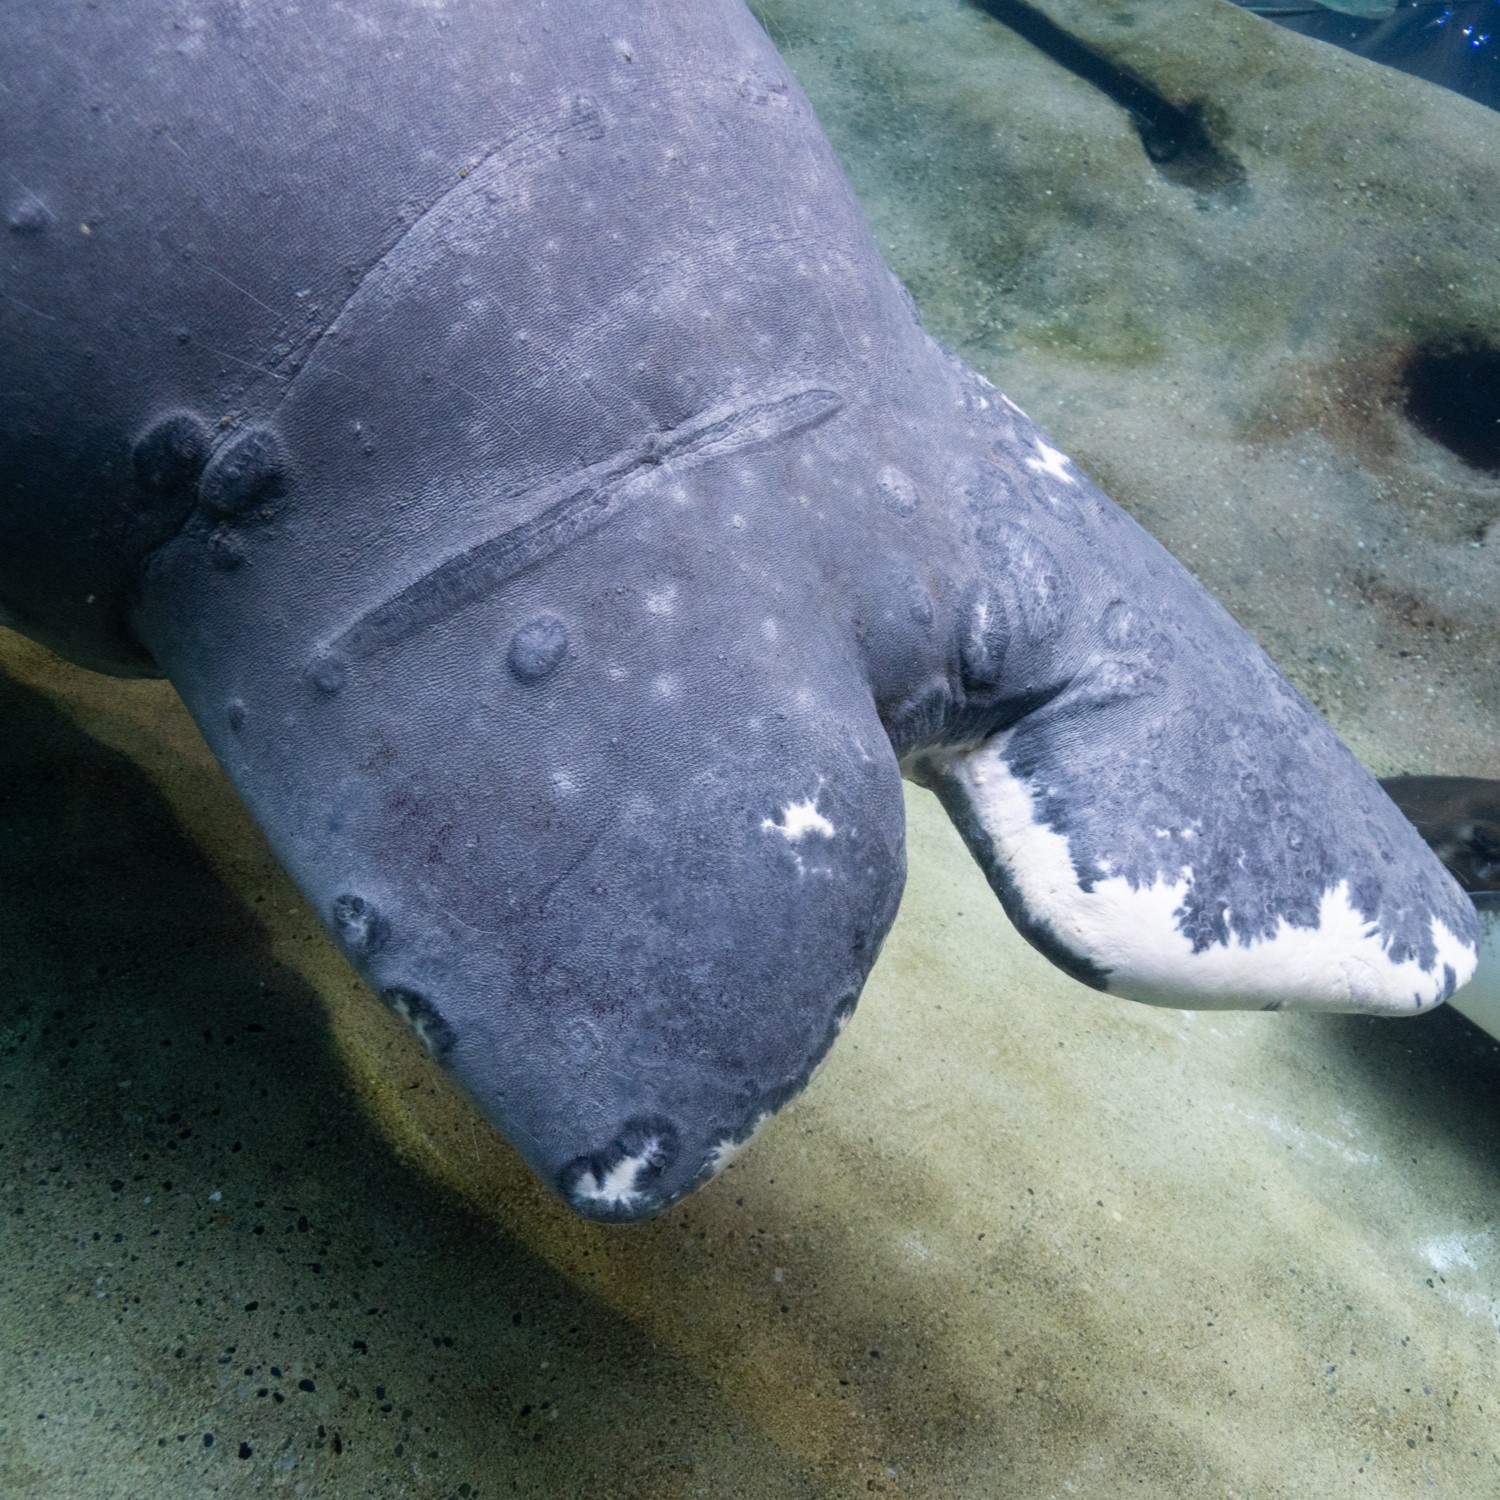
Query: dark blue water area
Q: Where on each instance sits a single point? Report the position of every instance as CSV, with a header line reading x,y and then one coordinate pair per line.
x,y
1455,44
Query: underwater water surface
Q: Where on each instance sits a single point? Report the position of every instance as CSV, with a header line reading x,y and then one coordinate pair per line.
x,y
1017,1238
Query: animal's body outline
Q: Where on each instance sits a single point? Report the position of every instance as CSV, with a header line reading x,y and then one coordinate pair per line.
x,y
613,817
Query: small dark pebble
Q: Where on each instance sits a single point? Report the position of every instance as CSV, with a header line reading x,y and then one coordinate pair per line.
x,y
245,1450
306,1385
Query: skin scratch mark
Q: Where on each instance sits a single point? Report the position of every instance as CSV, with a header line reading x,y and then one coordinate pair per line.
x,y
566,511
245,291
27,307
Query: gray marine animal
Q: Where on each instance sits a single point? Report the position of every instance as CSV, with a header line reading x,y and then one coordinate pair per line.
x,y
497,422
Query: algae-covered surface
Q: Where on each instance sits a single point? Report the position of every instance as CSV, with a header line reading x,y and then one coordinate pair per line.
x,y
1016,1239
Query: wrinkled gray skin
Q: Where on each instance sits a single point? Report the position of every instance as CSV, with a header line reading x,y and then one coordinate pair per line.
x,y
497,422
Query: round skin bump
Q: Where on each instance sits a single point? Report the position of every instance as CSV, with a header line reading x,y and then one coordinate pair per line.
x,y
28,215
538,647
898,491
620,1182
328,673
358,925
247,472
170,455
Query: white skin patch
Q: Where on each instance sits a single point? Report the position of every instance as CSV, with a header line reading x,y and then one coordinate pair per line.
x,y
1132,932
798,819
616,1188
662,601
1051,462
726,1150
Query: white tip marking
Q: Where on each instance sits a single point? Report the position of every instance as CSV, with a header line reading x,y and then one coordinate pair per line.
x,y
1133,933
1051,462
617,1187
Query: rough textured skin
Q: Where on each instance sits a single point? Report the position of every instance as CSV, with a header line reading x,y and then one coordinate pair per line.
x,y
498,423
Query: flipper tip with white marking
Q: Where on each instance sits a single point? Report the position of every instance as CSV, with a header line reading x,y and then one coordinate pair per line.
x,y
1159,811
1148,939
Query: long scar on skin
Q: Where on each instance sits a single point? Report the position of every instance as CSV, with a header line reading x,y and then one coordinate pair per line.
x,y
564,511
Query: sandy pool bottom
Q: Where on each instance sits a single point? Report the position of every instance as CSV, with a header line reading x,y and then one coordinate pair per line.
x,y
1016,1239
